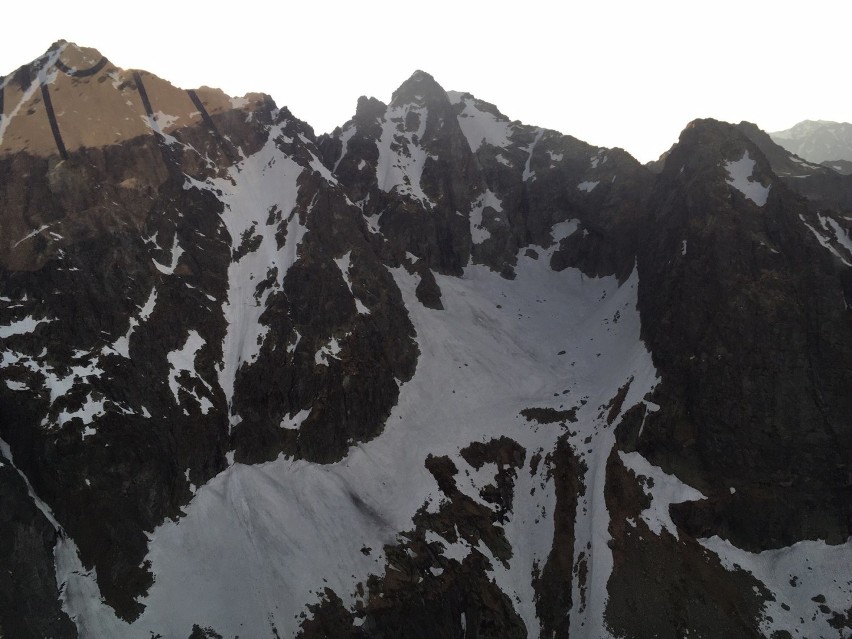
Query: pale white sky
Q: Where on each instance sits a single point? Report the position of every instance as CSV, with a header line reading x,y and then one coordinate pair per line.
x,y
613,73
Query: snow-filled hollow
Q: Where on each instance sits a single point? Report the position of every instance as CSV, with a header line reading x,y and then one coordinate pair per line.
x,y
740,176
290,528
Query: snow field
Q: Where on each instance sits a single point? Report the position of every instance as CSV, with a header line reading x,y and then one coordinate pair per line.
x,y
290,528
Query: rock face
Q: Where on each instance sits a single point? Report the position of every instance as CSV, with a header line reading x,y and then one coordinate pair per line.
x,y
435,374
781,323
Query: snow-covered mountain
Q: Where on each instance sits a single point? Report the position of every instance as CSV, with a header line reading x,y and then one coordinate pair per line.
x,y
819,141
435,374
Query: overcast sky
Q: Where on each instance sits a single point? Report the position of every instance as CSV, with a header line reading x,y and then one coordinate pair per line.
x,y
618,73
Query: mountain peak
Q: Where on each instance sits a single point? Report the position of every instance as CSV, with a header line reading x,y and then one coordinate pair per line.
x,y
75,60
72,97
420,87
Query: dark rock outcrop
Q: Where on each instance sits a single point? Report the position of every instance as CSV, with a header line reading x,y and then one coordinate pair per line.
x,y
728,285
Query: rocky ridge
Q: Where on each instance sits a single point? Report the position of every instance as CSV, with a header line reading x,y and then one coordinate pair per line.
x,y
224,336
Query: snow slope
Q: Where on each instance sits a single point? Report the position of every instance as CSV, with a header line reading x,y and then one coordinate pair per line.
x,y
289,529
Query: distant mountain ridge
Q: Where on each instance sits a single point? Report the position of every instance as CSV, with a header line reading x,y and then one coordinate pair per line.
x,y
819,141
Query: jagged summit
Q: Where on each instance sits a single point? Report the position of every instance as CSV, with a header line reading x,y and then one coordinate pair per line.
x,y
420,88
73,97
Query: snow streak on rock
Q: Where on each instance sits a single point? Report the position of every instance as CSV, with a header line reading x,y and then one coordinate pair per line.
x,y
828,232
528,173
344,144
344,264
46,75
122,344
176,252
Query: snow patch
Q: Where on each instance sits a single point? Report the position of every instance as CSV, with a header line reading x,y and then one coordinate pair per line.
x,y
561,230
599,158
478,232
177,251
740,177
183,360
796,575
122,344
481,127
165,120
345,136
665,491
528,174
331,349
344,264
293,422
22,326
91,410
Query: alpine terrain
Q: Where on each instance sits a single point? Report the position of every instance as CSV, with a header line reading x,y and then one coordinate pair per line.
x,y
821,141
435,374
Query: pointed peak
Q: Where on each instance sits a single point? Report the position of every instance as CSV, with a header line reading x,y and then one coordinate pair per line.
x,y
421,76
106,106
78,61
420,88
710,147
712,140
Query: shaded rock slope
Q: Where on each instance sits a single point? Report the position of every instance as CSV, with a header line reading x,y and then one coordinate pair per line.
x,y
434,374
